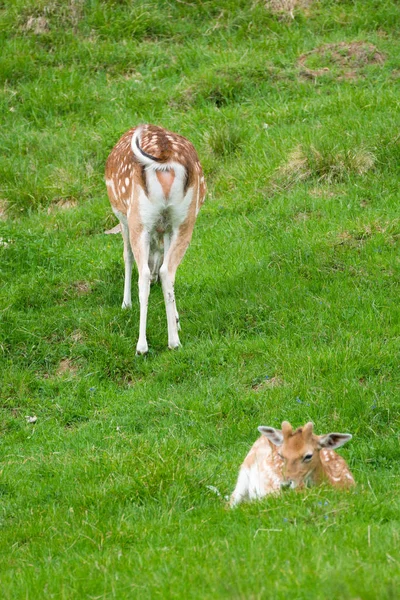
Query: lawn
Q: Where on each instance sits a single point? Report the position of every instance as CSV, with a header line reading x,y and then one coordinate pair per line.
x,y
288,297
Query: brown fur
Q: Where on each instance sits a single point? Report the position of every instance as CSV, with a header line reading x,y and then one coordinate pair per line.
x,y
128,180
281,458
325,464
166,179
163,145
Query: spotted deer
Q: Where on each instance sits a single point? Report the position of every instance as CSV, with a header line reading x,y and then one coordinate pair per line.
x,y
156,187
289,459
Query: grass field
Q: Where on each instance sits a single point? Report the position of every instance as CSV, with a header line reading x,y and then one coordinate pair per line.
x,y
288,297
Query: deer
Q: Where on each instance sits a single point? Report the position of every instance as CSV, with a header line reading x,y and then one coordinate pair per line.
x,y
283,458
156,188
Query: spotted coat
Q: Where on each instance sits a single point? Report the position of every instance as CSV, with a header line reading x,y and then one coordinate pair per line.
x,y
265,470
156,187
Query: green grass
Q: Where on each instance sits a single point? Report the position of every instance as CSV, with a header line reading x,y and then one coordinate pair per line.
x,y
293,273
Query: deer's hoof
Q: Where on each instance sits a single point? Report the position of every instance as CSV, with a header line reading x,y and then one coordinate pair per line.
x,y
174,345
142,348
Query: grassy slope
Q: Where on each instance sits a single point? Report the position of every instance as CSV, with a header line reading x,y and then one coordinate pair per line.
x,y
293,273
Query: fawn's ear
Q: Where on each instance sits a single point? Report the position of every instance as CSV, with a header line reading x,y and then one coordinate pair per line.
x,y
333,440
308,430
274,435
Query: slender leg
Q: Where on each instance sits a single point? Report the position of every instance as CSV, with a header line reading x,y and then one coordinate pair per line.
x,y
141,246
179,242
167,244
128,260
169,299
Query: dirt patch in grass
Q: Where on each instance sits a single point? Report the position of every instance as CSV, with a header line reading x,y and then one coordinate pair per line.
x,y
325,164
37,25
3,210
76,289
285,9
343,60
356,238
77,336
52,16
281,8
62,204
262,383
301,217
345,238
66,367
81,287
5,242
318,192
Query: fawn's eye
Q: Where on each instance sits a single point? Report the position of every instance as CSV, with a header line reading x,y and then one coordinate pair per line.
x,y
307,457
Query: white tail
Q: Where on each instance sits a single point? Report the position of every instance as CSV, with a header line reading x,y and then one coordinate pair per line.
x,y
156,187
283,458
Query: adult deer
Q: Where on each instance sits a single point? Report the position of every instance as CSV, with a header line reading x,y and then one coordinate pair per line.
x,y
156,187
285,458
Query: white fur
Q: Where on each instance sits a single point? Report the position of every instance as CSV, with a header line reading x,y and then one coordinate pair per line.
x,y
128,257
123,219
154,206
171,211
141,158
241,491
145,160
263,472
111,185
144,290
161,215
257,477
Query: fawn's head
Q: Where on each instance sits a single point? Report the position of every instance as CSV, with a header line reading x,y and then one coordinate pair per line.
x,y
300,451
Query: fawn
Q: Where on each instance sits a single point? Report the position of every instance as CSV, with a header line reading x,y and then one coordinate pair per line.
x,y
156,187
287,458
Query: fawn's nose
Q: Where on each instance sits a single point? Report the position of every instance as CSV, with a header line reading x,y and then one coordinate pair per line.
x,y
288,484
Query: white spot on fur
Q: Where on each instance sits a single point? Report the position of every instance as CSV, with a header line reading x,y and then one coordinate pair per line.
x,y
111,185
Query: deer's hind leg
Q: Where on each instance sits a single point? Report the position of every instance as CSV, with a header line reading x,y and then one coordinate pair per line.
x,y
128,261
140,243
174,250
